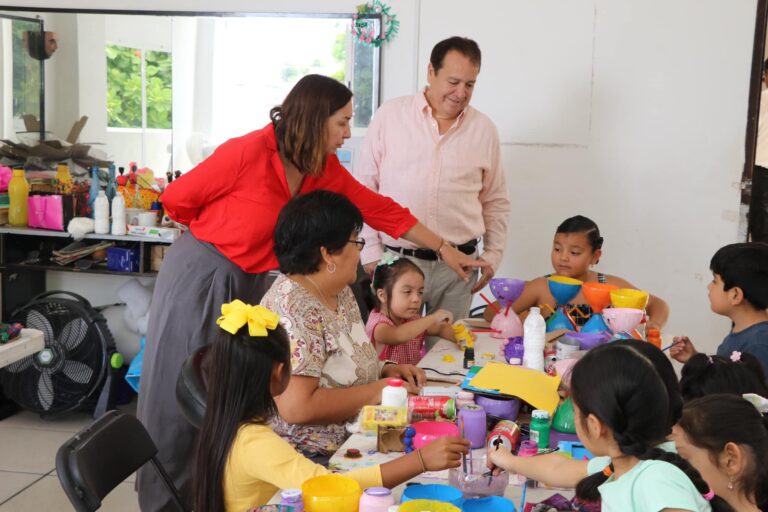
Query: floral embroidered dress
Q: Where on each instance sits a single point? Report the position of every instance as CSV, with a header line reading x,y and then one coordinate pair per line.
x,y
329,345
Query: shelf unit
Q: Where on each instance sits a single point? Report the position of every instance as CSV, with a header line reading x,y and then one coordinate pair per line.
x,y
22,279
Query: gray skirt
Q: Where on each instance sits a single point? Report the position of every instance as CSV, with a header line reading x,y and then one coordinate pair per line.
x,y
193,282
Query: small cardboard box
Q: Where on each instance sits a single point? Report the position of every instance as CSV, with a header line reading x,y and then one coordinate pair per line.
x,y
158,254
170,234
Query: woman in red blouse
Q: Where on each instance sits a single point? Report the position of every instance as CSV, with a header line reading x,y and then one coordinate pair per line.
x,y
230,203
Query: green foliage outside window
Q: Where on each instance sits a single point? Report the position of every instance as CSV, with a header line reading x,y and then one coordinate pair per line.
x,y
124,88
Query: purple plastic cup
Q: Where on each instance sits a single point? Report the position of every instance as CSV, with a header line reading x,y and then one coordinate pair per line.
x,y
588,340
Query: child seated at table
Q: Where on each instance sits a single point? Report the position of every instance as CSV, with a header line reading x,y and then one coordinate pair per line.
x,y
738,374
621,410
395,326
738,290
725,437
240,461
577,247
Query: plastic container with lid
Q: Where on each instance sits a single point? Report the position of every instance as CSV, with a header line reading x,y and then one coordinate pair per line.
x,y
464,398
394,394
540,428
292,498
376,499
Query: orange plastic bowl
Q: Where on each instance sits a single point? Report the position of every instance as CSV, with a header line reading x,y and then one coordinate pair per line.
x,y
598,295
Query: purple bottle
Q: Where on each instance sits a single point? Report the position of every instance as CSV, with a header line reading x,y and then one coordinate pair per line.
x,y
474,420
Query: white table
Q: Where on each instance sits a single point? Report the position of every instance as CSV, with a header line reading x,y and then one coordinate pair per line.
x,y
446,357
367,443
29,342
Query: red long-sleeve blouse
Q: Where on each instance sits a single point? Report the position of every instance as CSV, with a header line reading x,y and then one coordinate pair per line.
x,y
233,198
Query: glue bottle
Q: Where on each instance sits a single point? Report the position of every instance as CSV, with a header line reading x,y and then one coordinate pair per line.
x,y
534,332
394,394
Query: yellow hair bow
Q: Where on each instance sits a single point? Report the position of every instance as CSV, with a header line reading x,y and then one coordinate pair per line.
x,y
235,314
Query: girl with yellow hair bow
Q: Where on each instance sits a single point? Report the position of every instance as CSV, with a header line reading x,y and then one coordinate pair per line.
x,y
241,462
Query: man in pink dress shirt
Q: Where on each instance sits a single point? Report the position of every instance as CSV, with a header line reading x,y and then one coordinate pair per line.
x,y
441,158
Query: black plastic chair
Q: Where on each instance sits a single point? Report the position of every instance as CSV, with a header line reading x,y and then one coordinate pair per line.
x,y
191,387
477,311
102,455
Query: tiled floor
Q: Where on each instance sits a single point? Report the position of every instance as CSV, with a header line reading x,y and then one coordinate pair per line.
x,y
28,479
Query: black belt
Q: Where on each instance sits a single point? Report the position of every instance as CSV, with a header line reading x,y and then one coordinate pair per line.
x,y
430,255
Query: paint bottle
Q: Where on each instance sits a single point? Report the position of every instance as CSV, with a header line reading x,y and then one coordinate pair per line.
x,y
376,499
540,428
292,498
474,419
18,196
653,336
394,394
464,398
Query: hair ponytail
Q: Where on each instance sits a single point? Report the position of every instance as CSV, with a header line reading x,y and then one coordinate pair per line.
x,y
621,386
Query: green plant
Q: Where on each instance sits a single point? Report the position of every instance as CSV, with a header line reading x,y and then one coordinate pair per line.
x,y
124,88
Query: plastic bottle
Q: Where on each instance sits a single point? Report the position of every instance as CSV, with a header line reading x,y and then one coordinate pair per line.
x,y
94,191
376,499
292,498
118,215
464,398
540,428
394,394
534,332
111,183
653,336
101,214
18,195
64,178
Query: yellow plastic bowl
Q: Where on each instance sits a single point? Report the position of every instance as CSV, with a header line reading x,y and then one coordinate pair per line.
x,y
427,506
629,298
331,493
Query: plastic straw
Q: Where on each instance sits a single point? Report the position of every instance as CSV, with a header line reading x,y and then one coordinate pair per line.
x,y
522,498
491,304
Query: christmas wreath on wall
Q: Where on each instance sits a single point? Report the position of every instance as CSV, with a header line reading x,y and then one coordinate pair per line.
x,y
364,28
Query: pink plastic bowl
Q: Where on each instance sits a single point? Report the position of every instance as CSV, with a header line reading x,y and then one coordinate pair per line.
x,y
428,431
623,319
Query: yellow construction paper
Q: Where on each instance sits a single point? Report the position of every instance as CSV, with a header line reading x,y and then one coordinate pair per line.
x,y
536,388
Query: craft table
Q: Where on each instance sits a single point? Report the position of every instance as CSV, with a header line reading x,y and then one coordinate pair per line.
x,y
447,358
369,457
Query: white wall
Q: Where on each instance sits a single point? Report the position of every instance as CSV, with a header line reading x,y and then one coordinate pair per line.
x,y
660,168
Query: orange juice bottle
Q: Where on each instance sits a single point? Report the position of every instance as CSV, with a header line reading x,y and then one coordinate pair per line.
x,y
653,336
18,194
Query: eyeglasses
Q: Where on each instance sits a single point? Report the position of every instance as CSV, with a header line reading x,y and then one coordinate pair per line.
x,y
360,243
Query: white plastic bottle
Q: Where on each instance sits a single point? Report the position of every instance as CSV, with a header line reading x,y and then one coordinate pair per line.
x,y
534,332
394,394
118,215
101,214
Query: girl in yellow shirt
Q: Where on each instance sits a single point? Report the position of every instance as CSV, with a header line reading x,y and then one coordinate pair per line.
x,y
240,461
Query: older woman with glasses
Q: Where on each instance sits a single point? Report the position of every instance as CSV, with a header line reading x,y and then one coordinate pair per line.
x,y
335,368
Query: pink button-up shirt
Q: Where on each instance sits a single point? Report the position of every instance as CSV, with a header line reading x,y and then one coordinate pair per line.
x,y
453,183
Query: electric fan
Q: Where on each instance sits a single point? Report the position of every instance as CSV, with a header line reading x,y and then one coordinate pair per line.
x,y
79,361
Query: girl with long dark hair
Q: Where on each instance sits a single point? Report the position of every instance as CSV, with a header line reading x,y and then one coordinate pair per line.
x,y
240,461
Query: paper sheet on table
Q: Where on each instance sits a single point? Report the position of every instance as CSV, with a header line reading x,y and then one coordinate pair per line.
x,y
536,388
